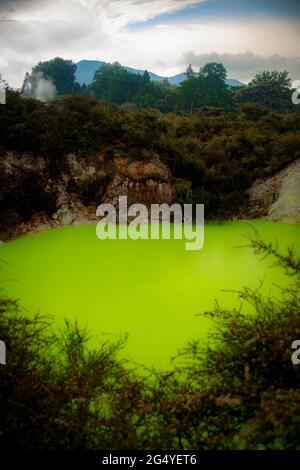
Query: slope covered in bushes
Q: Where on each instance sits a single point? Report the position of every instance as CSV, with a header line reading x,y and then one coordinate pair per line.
x,y
213,157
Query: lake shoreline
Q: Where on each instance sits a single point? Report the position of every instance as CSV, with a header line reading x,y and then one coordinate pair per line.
x,y
155,290
33,227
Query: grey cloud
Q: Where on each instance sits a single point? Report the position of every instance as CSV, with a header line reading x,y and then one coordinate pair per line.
x,y
9,6
23,44
78,30
25,38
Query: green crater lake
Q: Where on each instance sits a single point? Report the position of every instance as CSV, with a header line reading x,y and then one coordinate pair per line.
x,y
151,289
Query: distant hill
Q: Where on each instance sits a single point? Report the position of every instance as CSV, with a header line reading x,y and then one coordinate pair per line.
x,y
87,68
233,82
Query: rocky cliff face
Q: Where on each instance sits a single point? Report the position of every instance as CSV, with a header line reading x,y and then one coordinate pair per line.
x,y
144,182
81,187
72,196
277,198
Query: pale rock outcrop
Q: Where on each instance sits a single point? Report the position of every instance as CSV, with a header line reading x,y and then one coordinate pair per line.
x,y
277,198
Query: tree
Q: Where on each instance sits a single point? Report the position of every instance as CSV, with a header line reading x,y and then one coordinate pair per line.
x,y
146,77
59,71
190,90
213,70
215,92
208,88
189,72
115,84
166,82
269,89
160,95
275,78
27,85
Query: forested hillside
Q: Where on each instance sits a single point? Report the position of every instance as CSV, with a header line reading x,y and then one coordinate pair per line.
x,y
116,84
215,140
214,156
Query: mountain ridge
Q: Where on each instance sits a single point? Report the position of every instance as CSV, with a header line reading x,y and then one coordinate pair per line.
x,y
86,69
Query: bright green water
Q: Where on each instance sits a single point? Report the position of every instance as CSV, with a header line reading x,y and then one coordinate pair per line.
x,y
151,289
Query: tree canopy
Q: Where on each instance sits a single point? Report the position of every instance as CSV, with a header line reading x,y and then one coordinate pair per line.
x,y
59,71
268,88
116,84
275,78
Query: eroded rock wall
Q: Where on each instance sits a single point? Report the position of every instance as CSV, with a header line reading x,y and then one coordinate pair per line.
x,y
146,182
277,198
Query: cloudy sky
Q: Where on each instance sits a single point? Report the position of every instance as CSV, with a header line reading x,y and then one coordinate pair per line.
x,y
160,35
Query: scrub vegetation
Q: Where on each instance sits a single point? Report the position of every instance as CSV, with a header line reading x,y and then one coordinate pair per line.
x,y
215,139
213,159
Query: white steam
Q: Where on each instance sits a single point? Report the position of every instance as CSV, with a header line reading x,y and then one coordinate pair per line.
x,y
45,89
38,86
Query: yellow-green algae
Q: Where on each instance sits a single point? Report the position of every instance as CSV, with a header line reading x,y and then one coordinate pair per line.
x,y
150,289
